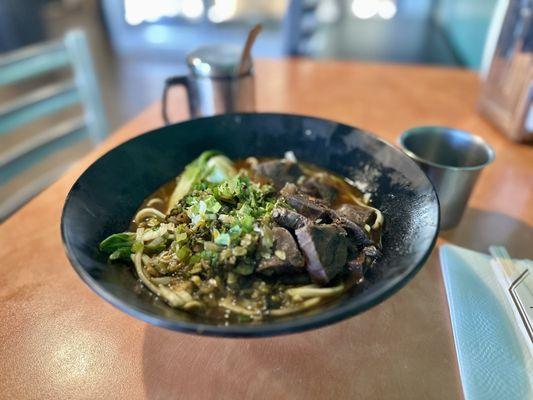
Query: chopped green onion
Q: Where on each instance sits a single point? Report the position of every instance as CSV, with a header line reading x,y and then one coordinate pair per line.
x,y
223,239
244,268
210,246
183,253
239,251
180,237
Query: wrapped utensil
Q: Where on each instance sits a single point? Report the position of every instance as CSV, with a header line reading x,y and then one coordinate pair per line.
x,y
516,279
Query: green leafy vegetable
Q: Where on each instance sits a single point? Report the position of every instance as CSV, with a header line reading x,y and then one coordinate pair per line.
x,y
118,246
220,169
209,166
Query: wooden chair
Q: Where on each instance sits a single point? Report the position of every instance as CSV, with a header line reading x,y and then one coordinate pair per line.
x,y
44,129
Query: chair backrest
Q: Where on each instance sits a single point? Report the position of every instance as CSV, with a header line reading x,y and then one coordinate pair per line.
x,y
299,25
32,155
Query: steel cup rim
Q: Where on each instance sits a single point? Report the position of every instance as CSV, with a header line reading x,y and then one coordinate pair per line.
x,y
478,140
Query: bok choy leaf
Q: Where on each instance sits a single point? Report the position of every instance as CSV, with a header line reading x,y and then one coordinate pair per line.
x,y
118,246
210,165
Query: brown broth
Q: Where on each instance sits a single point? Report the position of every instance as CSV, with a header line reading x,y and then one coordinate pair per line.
x,y
346,191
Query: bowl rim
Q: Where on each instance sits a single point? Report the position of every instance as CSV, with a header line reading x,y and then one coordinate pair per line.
x,y
267,329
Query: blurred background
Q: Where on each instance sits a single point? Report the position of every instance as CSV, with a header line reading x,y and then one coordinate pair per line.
x,y
144,41
60,94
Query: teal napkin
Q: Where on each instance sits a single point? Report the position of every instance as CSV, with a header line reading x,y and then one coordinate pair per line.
x,y
494,361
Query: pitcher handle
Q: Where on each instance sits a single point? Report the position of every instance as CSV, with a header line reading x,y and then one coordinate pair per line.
x,y
174,81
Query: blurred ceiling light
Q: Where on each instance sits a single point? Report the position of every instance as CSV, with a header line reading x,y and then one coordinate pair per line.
x,y
365,9
192,9
387,9
222,10
138,11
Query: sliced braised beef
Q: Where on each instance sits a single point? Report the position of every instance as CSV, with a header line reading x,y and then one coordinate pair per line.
x,y
309,207
289,189
325,249
279,172
315,187
332,241
356,234
357,267
358,214
372,253
289,219
360,263
287,257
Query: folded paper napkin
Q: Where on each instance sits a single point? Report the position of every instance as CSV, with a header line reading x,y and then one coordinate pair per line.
x,y
493,355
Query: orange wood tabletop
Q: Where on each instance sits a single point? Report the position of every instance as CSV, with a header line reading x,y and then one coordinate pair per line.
x,y
60,340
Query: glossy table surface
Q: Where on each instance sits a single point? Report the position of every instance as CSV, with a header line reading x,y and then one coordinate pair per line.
x,y
59,340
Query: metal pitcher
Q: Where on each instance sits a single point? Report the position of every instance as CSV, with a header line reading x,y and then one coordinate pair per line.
x,y
216,83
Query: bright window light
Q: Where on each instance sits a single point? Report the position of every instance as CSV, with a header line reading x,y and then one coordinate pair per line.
x,y
387,9
365,9
138,11
222,10
192,9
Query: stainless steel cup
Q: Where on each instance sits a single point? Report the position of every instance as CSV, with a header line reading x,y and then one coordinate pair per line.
x,y
215,84
452,160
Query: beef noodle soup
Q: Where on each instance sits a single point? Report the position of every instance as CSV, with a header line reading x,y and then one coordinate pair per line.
x,y
252,239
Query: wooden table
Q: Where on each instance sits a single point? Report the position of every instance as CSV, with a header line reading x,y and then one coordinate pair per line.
x,y
59,340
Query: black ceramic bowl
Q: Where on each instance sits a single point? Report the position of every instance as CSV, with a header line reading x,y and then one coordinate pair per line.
x,y
106,196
